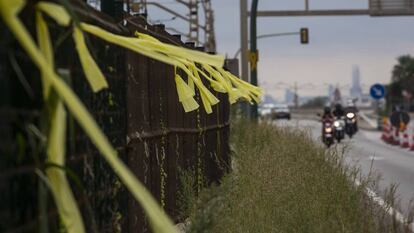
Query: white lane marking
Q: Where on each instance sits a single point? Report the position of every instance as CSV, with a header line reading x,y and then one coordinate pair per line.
x,y
371,122
375,158
387,207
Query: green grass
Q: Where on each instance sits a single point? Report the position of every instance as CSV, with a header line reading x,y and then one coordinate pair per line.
x,y
283,182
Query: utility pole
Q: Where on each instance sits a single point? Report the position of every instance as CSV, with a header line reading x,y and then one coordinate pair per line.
x,y
112,8
193,24
244,40
268,36
296,97
193,19
244,47
209,34
253,54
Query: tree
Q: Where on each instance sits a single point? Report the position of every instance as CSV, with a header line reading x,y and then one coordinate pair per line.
x,y
317,102
402,78
404,70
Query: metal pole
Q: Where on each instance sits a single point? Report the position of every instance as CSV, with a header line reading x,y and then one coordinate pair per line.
x,y
379,118
244,48
112,8
267,36
296,99
253,52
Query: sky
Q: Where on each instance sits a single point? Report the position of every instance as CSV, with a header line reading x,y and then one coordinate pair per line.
x,y
336,43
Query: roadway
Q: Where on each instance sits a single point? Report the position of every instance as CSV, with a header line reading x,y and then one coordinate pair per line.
x,y
366,151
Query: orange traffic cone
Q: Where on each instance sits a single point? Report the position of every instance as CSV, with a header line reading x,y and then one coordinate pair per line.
x,y
391,138
405,142
396,138
412,142
386,132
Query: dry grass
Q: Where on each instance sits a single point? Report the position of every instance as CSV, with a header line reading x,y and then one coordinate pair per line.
x,y
283,182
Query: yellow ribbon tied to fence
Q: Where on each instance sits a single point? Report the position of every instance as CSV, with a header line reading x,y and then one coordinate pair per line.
x,y
59,185
92,72
189,54
207,98
43,38
175,57
212,65
185,94
183,58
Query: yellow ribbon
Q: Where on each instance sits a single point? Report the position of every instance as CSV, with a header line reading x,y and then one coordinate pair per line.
x,y
43,38
185,94
180,57
92,72
55,11
62,194
189,54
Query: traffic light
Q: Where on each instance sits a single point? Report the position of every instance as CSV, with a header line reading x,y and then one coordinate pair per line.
x,y
304,36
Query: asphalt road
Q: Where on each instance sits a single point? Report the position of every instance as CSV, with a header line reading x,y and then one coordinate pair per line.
x,y
366,151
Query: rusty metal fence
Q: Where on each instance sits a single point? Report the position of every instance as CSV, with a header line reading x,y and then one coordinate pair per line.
x,y
141,115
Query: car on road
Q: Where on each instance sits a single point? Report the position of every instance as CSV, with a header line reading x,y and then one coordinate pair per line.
x,y
265,111
281,111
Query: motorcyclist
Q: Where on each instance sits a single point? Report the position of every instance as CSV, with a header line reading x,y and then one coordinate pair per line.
x,y
327,119
327,115
352,108
338,112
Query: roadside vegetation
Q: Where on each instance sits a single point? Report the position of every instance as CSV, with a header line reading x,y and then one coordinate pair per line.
x,y
401,89
283,182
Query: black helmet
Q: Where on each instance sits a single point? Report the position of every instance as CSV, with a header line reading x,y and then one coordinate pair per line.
x,y
327,110
338,106
395,108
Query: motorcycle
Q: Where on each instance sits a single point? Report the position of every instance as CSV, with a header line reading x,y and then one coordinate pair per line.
x,y
339,128
350,124
327,133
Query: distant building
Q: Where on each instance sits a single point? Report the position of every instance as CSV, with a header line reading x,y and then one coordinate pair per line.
x,y
268,99
289,97
356,90
331,90
337,97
